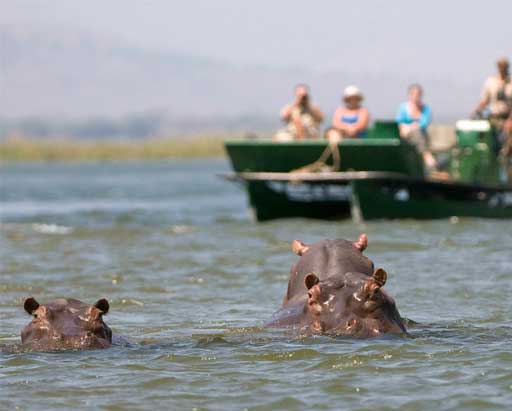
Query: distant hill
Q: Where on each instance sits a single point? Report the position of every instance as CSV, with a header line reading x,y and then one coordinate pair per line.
x,y
53,78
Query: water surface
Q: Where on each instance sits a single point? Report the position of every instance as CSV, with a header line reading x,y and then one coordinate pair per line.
x,y
191,279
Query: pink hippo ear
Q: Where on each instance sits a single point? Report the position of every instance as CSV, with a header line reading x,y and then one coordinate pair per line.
x,y
311,280
375,282
30,305
380,277
361,243
299,247
102,305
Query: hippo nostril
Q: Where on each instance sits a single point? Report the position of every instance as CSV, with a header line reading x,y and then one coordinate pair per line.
x,y
351,323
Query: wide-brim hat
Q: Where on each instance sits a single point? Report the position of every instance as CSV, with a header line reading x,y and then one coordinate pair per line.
x,y
352,91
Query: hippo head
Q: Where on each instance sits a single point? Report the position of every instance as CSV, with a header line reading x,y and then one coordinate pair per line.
x,y
66,323
325,258
351,304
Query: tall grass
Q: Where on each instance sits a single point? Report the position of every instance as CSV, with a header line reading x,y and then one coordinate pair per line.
x,y
17,149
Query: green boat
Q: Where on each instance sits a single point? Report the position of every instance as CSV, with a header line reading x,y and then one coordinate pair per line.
x,y
378,177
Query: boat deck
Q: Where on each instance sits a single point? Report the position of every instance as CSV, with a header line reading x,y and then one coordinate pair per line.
x,y
348,176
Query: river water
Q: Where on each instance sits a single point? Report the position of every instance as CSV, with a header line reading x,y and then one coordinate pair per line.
x,y
191,279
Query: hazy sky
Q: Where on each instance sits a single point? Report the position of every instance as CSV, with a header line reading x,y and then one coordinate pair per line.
x,y
450,37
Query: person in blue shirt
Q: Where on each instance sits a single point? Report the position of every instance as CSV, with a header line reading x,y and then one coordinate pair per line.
x,y
413,119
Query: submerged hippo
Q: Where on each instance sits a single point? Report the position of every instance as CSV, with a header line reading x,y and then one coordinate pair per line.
x,y
334,289
351,304
325,258
66,323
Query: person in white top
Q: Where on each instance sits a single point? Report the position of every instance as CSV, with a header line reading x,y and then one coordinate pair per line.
x,y
302,117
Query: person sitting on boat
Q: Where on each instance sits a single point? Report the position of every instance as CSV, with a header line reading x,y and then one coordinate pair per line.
x,y
351,119
303,118
497,99
413,119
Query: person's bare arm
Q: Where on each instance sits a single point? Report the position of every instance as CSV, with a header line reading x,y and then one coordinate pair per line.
x,y
484,101
336,119
286,112
316,113
508,124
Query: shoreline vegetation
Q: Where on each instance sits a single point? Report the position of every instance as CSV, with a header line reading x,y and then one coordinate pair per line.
x,y
29,149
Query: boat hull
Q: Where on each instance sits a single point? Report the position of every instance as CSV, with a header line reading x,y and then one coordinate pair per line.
x,y
370,196
424,199
271,200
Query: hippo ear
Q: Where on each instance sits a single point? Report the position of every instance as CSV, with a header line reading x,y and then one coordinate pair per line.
x,y
311,280
299,247
30,305
380,276
361,243
102,305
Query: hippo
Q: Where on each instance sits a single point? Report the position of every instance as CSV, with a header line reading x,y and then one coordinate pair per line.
x,y
325,258
66,323
348,304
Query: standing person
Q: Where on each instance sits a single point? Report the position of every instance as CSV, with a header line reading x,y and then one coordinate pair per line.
x,y
302,117
497,98
413,119
351,119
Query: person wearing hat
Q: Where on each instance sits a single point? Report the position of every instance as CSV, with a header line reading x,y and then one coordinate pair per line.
x,y
302,117
497,98
351,119
413,119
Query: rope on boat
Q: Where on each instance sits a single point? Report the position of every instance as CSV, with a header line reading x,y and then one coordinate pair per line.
x,y
320,165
